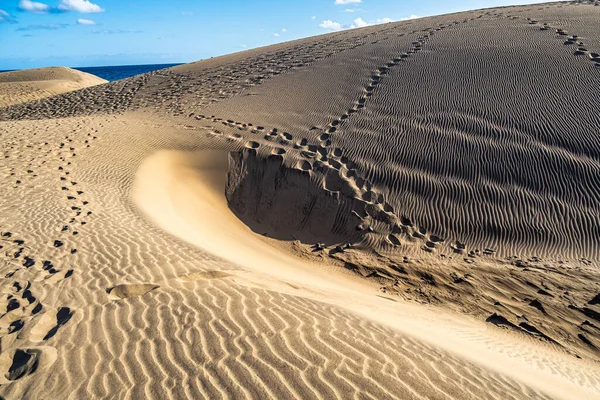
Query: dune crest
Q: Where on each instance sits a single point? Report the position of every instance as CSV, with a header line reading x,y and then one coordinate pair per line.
x,y
33,84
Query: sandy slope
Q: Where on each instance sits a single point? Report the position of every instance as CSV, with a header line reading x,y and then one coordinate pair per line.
x,y
32,84
400,211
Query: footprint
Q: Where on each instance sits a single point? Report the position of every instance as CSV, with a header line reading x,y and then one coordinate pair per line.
x,y
302,143
394,240
305,165
23,362
435,239
125,291
57,276
49,323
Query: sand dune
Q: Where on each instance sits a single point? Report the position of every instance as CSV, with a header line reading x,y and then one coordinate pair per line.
x,y
401,211
32,84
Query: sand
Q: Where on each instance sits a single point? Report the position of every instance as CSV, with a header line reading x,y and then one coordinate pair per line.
x,y
33,84
400,211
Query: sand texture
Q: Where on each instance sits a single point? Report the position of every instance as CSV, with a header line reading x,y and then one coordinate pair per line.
x,y
33,84
409,210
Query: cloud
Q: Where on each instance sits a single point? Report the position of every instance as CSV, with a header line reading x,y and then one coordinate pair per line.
x,y
33,7
243,46
349,10
283,30
313,17
357,23
42,27
329,24
338,2
83,21
410,17
113,31
6,17
276,34
82,6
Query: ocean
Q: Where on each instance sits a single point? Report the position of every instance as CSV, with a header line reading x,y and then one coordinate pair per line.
x,y
114,73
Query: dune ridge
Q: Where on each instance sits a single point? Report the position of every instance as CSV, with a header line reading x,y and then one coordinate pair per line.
x,y
428,196
32,84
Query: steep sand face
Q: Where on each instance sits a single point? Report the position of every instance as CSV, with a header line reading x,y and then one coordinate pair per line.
x,y
400,211
33,84
291,204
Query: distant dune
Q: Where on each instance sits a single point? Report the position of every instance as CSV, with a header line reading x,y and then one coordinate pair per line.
x,y
408,210
33,84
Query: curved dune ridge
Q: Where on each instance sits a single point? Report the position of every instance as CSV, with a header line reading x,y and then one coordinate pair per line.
x,y
37,83
407,210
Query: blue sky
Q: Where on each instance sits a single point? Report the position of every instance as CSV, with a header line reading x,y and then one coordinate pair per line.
x,y
79,33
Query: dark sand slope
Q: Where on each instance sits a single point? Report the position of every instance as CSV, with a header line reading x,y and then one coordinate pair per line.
x,y
486,133
452,161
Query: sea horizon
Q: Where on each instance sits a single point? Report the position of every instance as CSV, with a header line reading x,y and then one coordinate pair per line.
x,y
115,72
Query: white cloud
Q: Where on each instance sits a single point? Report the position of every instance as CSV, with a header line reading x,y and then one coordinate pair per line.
x,y
410,17
276,34
357,23
83,21
243,46
329,24
33,7
82,6
313,17
6,17
348,10
284,30
114,31
42,27
338,2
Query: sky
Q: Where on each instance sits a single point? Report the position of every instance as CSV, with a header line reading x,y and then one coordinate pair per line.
x,y
82,33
